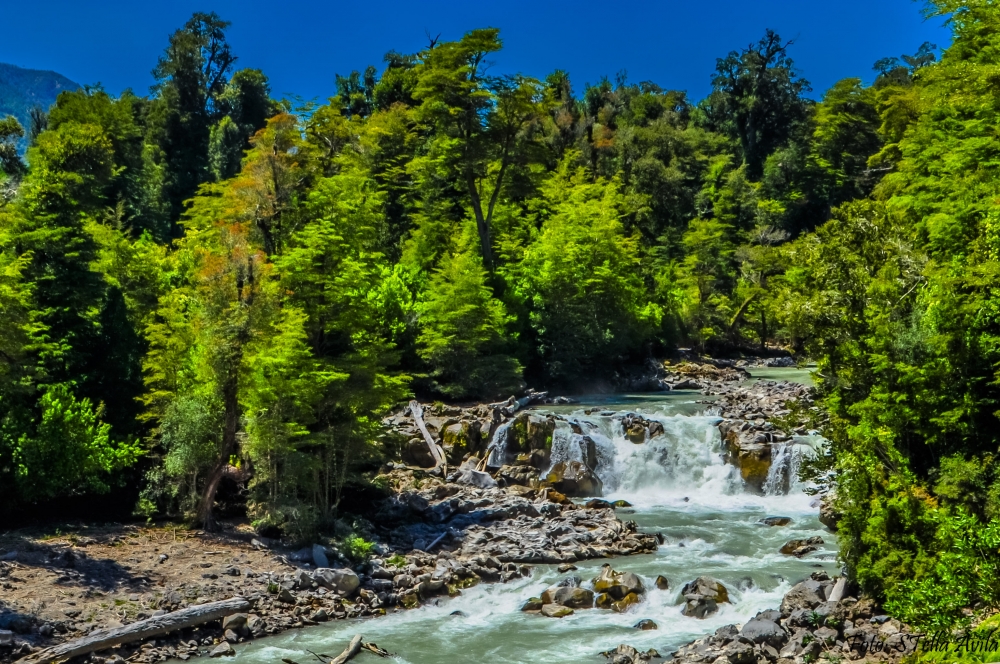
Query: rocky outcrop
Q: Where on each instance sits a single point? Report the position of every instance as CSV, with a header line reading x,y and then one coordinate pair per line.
x,y
815,621
828,516
617,591
471,430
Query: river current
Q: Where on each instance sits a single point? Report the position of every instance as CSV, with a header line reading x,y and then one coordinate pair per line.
x,y
679,487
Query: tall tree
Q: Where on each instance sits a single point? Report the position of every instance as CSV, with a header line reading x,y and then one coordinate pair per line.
x,y
482,117
757,99
191,76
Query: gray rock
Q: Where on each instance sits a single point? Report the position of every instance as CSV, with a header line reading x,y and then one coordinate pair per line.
x,y
6,637
573,597
776,521
343,581
222,650
699,606
764,631
231,636
235,622
319,557
805,595
302,579
707,586
476,478
556,611
827,635
738,652
839,587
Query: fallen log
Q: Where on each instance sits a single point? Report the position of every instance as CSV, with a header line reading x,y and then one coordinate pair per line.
x,y
418,416
170,622
349,652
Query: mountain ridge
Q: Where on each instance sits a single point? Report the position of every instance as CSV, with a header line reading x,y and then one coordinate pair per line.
x,y
22,88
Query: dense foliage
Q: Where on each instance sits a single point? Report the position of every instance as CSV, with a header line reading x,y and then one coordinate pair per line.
x,y
211,287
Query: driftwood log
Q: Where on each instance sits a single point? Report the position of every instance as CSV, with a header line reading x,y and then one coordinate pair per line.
x,y
418,416
170,622
350,651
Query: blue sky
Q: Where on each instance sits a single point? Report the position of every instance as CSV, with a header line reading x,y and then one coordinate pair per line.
x,y
301,45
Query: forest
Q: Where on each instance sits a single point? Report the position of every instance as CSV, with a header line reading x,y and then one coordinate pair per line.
x,y
205,280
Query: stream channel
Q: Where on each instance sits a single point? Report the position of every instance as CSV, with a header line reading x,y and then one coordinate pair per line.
x,y
679,487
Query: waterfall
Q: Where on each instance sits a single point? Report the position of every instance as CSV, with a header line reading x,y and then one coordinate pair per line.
x,y
684,461
498,448
786,459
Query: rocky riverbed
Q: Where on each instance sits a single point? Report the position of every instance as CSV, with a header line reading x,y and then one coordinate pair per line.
x,y
501,508
818,620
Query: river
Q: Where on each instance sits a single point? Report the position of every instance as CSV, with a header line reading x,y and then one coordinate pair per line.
x,y
679,487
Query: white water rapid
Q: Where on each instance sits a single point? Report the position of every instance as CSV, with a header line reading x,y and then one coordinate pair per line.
x,y
680,488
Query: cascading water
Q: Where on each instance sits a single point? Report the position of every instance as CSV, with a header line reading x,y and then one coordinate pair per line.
x,y
681,489
498,448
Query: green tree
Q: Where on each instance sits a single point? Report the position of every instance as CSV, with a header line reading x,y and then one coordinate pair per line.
x,y
757,99
463,330
482,119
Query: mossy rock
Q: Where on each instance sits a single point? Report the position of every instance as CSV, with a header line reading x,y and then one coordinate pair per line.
x,y
624,604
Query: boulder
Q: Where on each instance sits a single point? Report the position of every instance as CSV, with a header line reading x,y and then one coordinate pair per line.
x,y
626,654
764,631
476,478
574,479
776,521
662,583
342,581
222,650
618,584
638,429
805,595
540,431
520,475
827,515
570,596
738,652
319,556
801,547
645,625
624,604
707,587
556,611
416,453
753,459
236,622
533,604
461,438
698,606
703,596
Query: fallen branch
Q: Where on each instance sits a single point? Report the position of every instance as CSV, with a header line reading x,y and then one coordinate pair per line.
x,y
418,416
372,648
103,639
349,652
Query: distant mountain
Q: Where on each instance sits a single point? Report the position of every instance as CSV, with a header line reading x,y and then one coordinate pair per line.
x,y
20,89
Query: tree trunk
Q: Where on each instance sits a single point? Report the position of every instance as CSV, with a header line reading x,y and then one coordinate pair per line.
x,y
229,445
482,224
763,332
172,622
